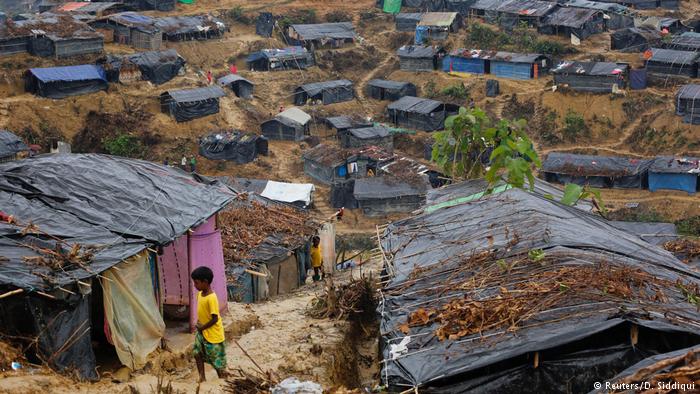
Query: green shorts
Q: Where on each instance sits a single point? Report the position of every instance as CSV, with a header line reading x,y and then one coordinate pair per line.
x,y
212,353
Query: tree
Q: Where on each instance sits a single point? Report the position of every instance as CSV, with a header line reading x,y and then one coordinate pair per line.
x,y
471,147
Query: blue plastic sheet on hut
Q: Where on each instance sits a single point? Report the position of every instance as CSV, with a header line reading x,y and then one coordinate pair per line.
x,y
638,79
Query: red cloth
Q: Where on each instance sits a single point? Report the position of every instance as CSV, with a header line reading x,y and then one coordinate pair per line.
x,y
209,76
234,69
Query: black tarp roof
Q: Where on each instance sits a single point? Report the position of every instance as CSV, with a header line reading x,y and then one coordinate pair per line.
x,y
596,5
370,132
415,104
409,16
534,8
417,51
673,56
570,17
589,68
344,122
691,91
429,255
289,53
687,40
230,78
320,31
197,94
589,165
312,89
655,233
676,165
11,144
115,205
385,187
387,84
156,58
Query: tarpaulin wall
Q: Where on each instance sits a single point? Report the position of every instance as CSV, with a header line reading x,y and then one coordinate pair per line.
x,y
669,181
588,83
67,48
465,65
417,64
62,89
276,130
327,235
205,249
341,194
412,120
175,273
392,6
264,24
183,112
63,330
638,79
135,323
511,70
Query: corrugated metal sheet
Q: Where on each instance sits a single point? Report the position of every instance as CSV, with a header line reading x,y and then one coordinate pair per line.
x,y
415,104
462,64
416,51
691,92
673,56
230,78
570,17
315,88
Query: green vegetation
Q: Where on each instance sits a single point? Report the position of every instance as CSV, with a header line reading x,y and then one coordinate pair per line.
x,y
237,14
124,145
522,39
430,89
298,17
457,91
689,226
574,126
338,16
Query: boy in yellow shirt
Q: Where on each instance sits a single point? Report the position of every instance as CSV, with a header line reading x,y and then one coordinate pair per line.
x,y
209,344
316,261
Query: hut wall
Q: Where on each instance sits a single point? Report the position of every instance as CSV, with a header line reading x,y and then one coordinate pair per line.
x,y
416,64
318,171
350,141
242,89
465,65
669,181
682,70
67,48
587,83
144,40
512,70
284,276
275,130
10,46
417,121
383,206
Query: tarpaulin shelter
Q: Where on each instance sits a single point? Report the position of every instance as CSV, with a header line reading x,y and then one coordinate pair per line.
x,y
382,89
50,35
232,145
461,6
638,79
438,25
391,6
381,195
656,233
594,77
419,57
265,24
580,22
10,146
672,63
291,124
328,163
297,194
519,65
597,171
320,35
92,8
242,87
407,21
186,28
188,104
672,25
105,212
509,13
688,41
341,194
617,16
688,103
649,4
61,82
290,58
367,136
420,113
634,39
157,67
453,268
131,28
675,173
327,92
343,122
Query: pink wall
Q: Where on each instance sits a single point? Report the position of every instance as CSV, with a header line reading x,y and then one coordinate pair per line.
x,y
205,249
174,267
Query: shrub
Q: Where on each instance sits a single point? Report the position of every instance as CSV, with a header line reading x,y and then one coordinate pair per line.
x,y
574,125
484,37
238,15
430,89
555,48
689,226
124,145
456,91
298,17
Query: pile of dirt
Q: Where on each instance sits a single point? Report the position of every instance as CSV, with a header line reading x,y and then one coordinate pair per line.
x,y
8,354
102,126
245,227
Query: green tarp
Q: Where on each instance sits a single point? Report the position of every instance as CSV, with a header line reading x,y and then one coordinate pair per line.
x,y
186,1
392,6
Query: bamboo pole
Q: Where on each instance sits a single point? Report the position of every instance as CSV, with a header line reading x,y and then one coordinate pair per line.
x,y
13,292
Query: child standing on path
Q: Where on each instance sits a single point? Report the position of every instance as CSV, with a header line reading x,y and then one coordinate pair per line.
x,y
316,261
209,344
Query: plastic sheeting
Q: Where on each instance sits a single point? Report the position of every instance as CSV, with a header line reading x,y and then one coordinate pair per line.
x,y
492,88
235,146
264,24
131,310
205,250
174,276
327,235
289,192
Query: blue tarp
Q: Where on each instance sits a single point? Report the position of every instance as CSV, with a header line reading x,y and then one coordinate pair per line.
x,y
511,70
670,181
421,34
638,79
85,72
465,65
